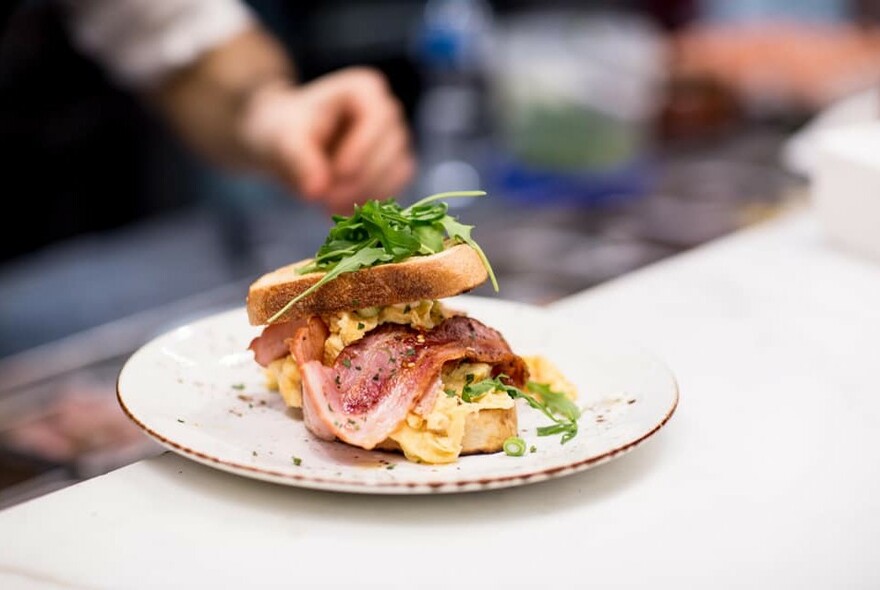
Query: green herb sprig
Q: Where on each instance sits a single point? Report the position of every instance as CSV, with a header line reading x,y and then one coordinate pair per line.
x,y
553,404
381,232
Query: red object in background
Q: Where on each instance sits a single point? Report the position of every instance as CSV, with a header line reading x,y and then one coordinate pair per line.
x,y
80,420
697,108
781,67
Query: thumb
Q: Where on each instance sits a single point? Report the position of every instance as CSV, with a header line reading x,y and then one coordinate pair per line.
x,y
305,165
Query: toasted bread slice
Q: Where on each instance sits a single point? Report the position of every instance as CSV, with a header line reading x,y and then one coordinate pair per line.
x,y
447,273
484,432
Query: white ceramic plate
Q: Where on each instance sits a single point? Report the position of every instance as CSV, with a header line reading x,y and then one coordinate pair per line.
x,y
197,391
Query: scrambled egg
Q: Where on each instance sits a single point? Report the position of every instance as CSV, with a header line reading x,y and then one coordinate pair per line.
x,y
542,370
350,326
282,375
436,437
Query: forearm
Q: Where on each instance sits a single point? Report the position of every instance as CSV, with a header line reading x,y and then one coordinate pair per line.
x,y
206,102
227,88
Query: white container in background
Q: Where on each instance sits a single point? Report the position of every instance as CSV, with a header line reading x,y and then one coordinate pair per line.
x,y
846,186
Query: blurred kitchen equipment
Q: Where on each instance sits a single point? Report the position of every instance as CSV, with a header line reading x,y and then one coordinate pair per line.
x,y
575,97
699,199
846,186
451,119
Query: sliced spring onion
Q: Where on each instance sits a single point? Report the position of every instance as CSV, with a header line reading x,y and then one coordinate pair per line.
x,y
514,446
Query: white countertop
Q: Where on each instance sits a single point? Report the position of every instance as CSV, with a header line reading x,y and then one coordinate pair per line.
x,y
768,476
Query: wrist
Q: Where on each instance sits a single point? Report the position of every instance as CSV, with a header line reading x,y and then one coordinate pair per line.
x,y
258,117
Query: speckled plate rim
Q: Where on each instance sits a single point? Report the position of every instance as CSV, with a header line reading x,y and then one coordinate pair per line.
x,y
337,484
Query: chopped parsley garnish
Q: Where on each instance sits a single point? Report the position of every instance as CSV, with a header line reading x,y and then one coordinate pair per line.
x,y
297,461
382,232
238,386
346,363
181,421
533,449
361,326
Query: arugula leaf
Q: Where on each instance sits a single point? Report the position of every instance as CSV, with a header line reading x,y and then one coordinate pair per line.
x,y
474,391
366,257
447,195
463,232
381,232
431,238
553,404
556,401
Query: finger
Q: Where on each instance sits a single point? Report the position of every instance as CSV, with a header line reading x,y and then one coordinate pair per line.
x,y
342,196
393,178
369,177
372,112
305,166
393,181
365,133
391,149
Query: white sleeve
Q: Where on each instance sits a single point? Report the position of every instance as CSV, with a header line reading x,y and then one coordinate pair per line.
x,y
141,41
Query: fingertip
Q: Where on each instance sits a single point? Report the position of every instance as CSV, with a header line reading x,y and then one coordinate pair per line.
x,y
345,208
308,170
409,168
345,165
314,184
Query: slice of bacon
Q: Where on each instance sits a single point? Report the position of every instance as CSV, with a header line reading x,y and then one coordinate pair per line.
x,y
272,343
307,348
377,380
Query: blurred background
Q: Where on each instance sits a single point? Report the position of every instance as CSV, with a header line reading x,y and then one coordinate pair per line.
x,y
609,135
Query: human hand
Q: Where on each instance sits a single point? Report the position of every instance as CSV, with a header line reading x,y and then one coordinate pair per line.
x,y
339,140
